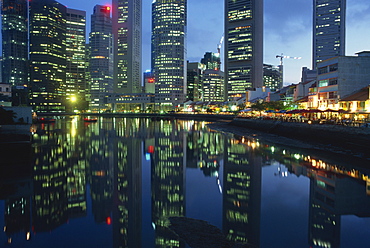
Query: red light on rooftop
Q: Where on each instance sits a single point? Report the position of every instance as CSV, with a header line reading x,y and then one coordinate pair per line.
x,y
151,149
108,220
151,80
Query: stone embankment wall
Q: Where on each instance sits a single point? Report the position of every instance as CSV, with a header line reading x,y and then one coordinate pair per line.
x,y
356,139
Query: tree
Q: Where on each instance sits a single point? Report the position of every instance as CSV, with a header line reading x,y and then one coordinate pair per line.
x,y
6,116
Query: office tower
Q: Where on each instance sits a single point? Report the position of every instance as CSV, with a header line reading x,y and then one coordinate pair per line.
x,y
329,17
76,59
213,86
272,77
211,61
194,81
168,51
47,55
101,58
14,30
126,17
243,46
149,85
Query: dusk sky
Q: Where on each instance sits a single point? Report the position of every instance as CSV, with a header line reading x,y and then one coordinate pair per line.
x,y
287,30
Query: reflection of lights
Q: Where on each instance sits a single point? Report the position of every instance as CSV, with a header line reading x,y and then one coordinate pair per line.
x,y
219,185
28,235
297,156
272,149
153,225
9,240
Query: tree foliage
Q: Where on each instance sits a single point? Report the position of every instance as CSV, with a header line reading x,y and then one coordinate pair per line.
x,y
6,116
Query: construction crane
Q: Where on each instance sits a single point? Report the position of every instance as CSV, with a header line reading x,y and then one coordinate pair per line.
x,y
285,57
281,57
219,51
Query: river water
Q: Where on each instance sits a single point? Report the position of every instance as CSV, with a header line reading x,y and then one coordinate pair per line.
x,y
114,183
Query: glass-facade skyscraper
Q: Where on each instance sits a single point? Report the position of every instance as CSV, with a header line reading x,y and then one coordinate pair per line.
x,y
76,59
47,55
101,57
329,18
168,51
14,29
243,46
126,17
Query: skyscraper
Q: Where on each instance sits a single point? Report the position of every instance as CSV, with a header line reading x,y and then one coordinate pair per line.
x,y
101,57
126,18
76,59
243,46
15,44
168,51
329,18
47,55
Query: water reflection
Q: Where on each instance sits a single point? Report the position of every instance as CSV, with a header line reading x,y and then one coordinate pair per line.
x,y
93,173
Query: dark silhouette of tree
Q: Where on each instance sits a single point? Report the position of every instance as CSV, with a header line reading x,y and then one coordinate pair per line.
x,y
6,116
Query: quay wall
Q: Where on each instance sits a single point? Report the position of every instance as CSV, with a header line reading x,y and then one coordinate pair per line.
x,y
356,139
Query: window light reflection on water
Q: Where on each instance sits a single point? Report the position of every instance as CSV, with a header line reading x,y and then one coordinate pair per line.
x,y
121,179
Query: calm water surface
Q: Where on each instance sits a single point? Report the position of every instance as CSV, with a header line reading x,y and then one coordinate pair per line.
x,y
113,183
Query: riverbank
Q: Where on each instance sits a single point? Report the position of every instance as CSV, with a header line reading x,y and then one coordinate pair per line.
x,y
352,141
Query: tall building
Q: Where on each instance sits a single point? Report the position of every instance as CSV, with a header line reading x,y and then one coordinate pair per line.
x,y
194,81
126,17
272,77
329,17
213,86
211,60
101,58
243,46
47,55
14,30
168,51
76,59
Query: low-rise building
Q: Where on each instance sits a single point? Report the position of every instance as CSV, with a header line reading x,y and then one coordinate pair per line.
x,y
339,77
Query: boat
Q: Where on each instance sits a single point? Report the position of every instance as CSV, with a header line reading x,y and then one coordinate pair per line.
x,y
45,120
86,119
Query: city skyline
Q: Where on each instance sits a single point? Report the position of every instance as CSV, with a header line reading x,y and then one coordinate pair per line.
x,y
292,38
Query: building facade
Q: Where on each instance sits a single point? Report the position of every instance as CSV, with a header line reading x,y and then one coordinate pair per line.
x,y
211,61
339,77
47,56
272,77
168,51
212,86
14,30
101,58
194,81
243,46
76,84
126,17
329,19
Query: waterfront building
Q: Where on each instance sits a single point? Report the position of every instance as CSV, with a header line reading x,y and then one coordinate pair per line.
x,y
243,46
168,51
339,77
212,86
358,102
47,55
194,90
329,19
272,77
76,84
211,61
101,58
126,18
302,88
14,30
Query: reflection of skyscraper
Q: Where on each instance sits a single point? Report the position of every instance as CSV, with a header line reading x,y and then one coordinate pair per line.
x,y
101,57
330,197
14,16
241,195
168,50
127,194
243,46
168,182
126,17
50,204
48,55
329,18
